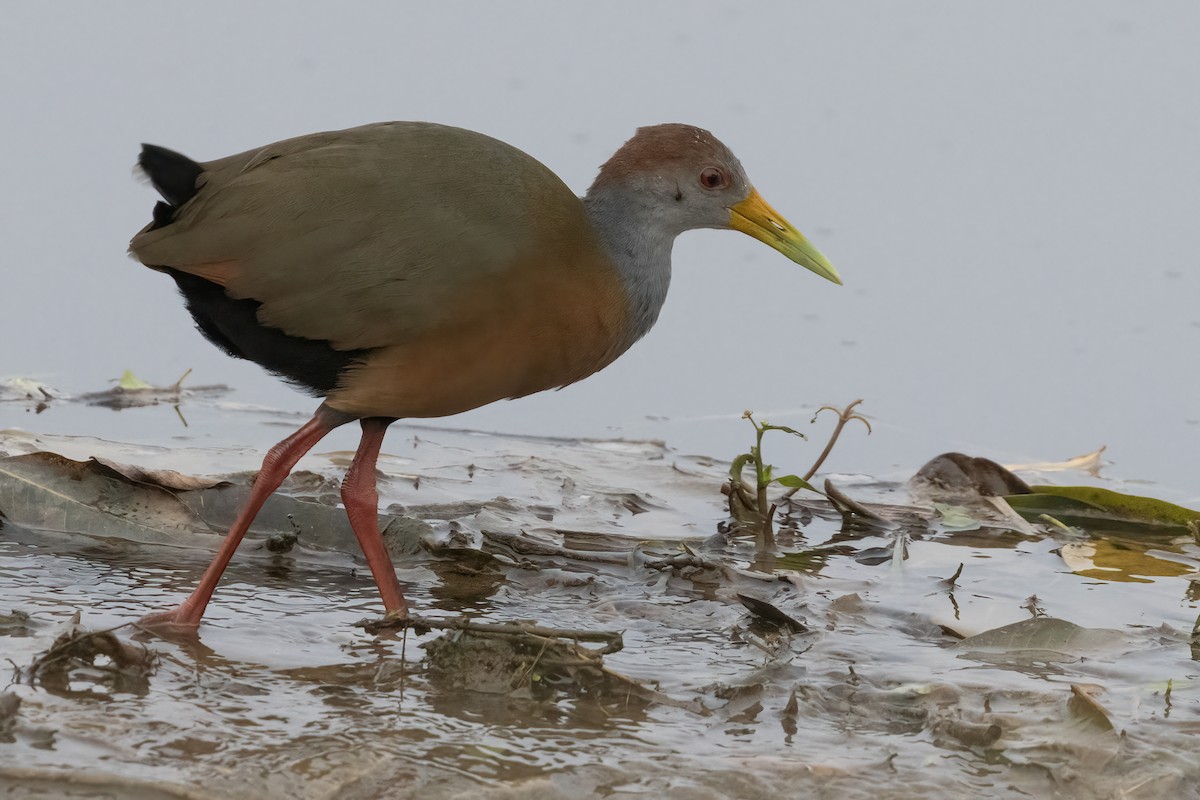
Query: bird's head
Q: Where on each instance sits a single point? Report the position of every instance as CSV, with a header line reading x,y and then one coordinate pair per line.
x,y
687,179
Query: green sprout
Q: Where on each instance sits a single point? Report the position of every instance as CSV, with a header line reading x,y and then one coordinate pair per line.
x,y
749,504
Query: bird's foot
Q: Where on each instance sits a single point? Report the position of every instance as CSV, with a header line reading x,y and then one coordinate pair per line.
x,y
397,615
183,619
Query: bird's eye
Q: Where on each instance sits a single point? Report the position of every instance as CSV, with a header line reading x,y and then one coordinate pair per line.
x,y
713,178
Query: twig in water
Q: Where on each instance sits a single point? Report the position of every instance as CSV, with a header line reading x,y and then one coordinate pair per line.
x,y
612,640
844,416
952,581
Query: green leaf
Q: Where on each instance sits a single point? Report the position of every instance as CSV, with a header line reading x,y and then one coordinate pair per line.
x,y
795,482
768,472
131,382
769,427
1090,507
739,463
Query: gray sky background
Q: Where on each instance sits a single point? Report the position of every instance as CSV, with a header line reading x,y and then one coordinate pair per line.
x,y
1010,191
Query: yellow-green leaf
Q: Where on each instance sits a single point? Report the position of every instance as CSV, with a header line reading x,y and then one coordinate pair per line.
x,y
130,382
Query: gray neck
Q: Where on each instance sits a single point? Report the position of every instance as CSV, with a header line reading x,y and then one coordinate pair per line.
x,y
639,245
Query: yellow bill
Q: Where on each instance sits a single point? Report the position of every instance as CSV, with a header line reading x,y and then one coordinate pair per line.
x,y
754,217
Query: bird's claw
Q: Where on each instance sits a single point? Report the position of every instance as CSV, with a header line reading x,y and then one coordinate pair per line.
x,y
179,620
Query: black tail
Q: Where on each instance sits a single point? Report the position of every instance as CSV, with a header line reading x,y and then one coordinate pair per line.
x,y
173,175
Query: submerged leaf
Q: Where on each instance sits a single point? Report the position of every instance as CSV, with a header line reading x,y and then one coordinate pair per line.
x,y
957,518
1042,635
1116,560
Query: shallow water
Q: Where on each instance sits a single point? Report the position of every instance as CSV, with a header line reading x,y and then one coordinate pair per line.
x,y
282,696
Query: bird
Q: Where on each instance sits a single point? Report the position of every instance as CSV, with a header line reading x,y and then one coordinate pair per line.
x,y
403,270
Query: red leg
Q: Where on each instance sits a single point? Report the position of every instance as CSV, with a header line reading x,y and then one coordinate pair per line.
x,y
276,466
362,507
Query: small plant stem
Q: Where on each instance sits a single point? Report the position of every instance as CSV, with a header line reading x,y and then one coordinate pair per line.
x,y
844,416
759,472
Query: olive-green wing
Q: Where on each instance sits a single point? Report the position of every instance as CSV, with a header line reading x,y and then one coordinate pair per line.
x,y
373,235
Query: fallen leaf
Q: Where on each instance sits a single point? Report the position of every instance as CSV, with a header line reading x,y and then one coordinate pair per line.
x,y
1084,706
1090,507
166,478
130,382
769,613
1088,462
